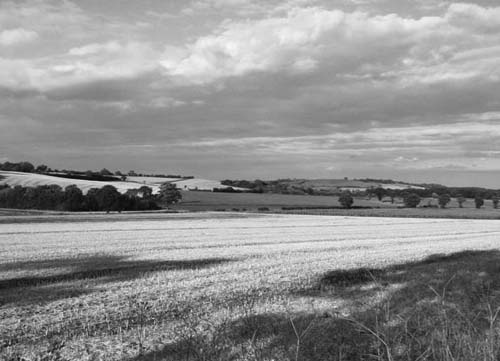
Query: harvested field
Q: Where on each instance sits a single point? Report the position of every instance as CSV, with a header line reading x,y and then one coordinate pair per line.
x,y
222,286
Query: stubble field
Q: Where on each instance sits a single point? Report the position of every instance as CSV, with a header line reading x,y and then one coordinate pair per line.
x,y
212,286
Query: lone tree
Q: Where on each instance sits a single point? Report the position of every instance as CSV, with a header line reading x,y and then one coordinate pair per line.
x,y
346,199
461,200
169,193
411,200
479,201
443,200
380,193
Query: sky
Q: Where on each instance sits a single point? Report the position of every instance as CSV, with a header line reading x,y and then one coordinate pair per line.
x,y
247,89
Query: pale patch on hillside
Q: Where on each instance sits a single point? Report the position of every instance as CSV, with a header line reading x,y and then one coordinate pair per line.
x,y
34,180
201,184
184,184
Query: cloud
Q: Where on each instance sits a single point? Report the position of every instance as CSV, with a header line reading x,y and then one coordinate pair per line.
x,y
17,36
238,48
53,16
96,48
473,16
418,147
356,44
87,64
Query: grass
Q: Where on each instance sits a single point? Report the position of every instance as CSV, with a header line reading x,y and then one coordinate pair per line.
x,y
220,286
203,201
327,205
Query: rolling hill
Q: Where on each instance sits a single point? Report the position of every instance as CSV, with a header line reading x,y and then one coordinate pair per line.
x,y
33,180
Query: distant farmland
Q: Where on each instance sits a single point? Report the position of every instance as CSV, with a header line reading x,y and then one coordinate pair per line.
x,y
200,201
34,180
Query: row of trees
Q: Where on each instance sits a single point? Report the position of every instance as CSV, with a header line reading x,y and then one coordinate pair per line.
x,y
435,191
28,167
290,186
412,199
107,198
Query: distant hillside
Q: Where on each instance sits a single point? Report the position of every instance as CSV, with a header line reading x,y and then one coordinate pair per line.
x,y
132,182
350,184
33,180
189,184
318,186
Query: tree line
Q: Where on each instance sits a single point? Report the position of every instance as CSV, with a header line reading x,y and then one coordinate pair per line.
x,y
288,186
103,174
71,198
412,199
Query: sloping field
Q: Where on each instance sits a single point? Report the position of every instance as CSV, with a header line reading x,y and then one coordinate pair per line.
x,y
34,180
208,286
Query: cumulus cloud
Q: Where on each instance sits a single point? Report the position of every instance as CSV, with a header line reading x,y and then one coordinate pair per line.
x,y
96,48
17,36
94,62
425,49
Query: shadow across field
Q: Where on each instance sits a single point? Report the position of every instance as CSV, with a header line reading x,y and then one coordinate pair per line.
x,y
59,278
445,307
